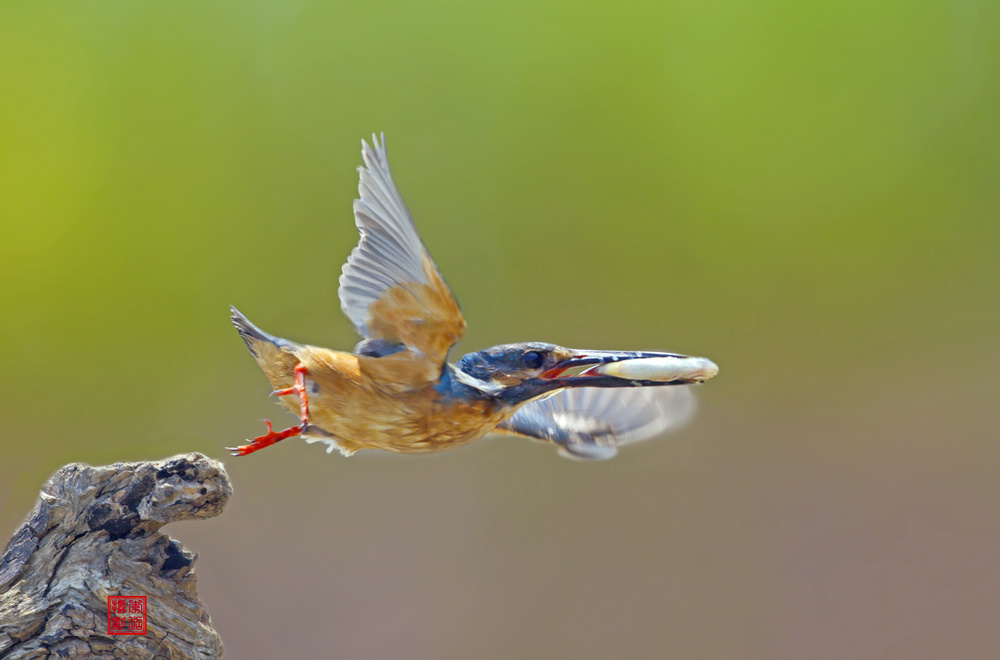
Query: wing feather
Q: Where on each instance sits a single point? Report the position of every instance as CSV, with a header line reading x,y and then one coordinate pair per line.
x,y
390,287
591,422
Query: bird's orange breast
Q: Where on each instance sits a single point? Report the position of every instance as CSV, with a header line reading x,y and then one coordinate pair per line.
x,y
388,403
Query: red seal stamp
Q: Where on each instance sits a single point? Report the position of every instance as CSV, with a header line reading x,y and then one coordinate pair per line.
x,y
126,615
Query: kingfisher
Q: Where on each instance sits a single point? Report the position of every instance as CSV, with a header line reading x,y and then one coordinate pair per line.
x,y
396,390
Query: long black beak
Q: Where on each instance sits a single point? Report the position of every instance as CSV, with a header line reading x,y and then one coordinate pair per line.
x,y
629,369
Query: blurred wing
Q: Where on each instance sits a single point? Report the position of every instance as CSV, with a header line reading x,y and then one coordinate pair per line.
x,y
592,422
390,287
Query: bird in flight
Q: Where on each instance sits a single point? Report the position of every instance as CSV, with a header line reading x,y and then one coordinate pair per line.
x,y
397,392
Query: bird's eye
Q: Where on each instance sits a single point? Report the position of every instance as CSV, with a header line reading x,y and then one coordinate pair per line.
x,y
533,360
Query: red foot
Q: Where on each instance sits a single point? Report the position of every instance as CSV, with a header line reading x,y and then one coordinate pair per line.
x,y
267,439
272,436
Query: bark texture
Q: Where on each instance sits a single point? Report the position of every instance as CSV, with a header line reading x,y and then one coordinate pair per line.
x,y
95,533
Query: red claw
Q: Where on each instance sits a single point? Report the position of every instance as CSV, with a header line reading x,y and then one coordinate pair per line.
x,y
273,436
267,439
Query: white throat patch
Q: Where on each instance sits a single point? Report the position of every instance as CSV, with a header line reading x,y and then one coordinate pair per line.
x,y
491,386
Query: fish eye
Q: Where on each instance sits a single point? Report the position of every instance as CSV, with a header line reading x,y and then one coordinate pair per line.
x,y
533,360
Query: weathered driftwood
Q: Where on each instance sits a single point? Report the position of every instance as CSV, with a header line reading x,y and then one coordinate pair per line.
x,y
95,533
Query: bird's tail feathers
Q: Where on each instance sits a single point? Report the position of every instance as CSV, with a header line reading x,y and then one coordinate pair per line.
x,y
252,335
277,357
261,345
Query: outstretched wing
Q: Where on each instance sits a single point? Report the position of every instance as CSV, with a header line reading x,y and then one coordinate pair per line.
x,y
592,422
390,287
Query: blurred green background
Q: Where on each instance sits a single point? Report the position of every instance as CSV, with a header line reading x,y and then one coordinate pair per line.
x,y
808,194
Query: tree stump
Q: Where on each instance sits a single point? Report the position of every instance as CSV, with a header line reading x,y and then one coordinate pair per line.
x,y
94,534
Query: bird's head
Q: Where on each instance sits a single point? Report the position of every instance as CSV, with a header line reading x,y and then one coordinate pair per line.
x,y
517,373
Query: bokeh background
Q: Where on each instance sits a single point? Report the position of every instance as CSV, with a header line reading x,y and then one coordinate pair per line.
x,y
807,193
